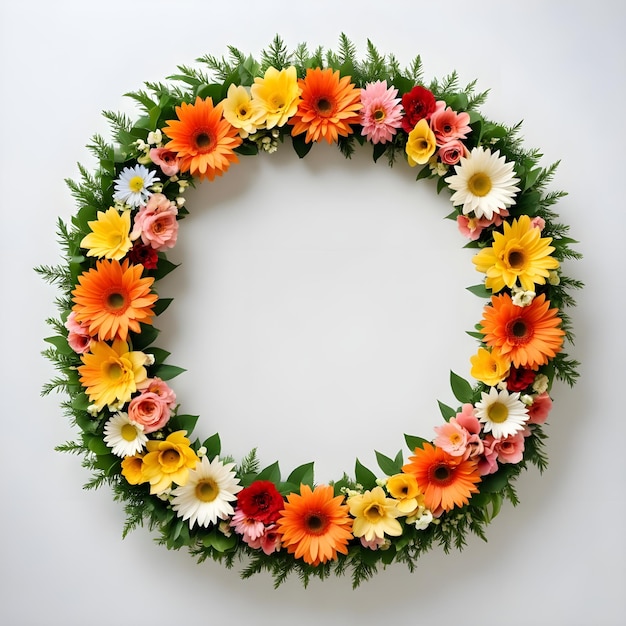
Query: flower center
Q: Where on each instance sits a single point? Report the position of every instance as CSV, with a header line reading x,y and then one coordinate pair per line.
x,y
379,115
114,371
374,513
243,112
277,102
203,140
324,106
441,473
115,301
316,523
170,457
207,490
128,432
479,184
498,412
135,184
516,259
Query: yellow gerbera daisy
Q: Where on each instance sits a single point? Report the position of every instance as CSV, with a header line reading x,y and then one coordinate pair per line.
x,y
275,97
518,253
110,374
109,236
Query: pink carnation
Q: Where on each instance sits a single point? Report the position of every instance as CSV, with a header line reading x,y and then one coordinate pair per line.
x,y
539,409
78,336
448,124
381,114
510,449
150,410
166,160
250,528
156,223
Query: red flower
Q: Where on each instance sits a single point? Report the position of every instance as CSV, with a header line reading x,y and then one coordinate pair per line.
x,y
418,104
261,502
519,378
144,255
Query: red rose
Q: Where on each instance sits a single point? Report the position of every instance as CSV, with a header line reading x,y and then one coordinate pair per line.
x,y
519,378
261,501
143,254
418,104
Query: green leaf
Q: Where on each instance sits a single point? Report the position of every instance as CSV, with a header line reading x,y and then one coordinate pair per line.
x,y
247,148
81,402
219,541
389,466
183,422
60,343
271,473
461,389
364,476
480,290
161,304
159,355
379,150
475,334
302,475
210,91
163,268
446,411
213,446
413,442
167,372
495,483
108,463
97,446
142,340
300,146
425,172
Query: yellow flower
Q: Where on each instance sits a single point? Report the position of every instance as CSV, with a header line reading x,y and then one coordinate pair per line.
x,y
489,367
275,97
109,236
421,144
110,374
168,461
375,515
403,487
518,253
239,111
132,469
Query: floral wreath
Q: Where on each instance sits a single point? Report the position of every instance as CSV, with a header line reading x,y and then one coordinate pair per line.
x,y
133,435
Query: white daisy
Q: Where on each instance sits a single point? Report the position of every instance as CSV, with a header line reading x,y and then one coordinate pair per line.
x,y
483,183
206,495
132,185
501,412
124,437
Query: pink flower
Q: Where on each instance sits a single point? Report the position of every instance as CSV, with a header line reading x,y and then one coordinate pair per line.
x,y
452,438
156,223
269,541
472,227
539,409
488,462
538,222
448,124
467,419
160,388
381,114
250,528
78,336
510,449
374,543
451,152
166,160
150,410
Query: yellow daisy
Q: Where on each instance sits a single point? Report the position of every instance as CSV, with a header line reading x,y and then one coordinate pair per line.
x,y
109,236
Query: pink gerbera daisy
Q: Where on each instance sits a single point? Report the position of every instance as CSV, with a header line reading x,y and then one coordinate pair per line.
x,y
381,114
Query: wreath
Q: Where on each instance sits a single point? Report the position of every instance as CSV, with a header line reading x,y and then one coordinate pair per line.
x,y
133,434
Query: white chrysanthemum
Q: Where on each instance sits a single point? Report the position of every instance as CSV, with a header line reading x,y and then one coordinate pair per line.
x,y
124,437
132,185
501,412
206,495
483,183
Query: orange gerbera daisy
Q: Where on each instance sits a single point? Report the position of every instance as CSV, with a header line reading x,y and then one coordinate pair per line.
x,y
315,525
528,335
112,299
203,140
445,480
329,105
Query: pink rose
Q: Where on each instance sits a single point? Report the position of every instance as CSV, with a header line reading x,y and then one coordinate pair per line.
x,y
510,449
448,124
539,409
156,223
78,336
150,410
488,463
166,160
160,388
451,152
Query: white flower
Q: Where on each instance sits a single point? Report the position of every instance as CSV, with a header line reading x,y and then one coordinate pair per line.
x,y
206,495
541,383
422,520
155,137
483,183
501,412
123,436
521,297
553,277
132,185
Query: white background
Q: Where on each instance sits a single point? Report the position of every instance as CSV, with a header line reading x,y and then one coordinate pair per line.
x,y
318,310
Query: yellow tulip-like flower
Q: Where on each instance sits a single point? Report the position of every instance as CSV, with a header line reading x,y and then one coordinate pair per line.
x,y
403,487
168,461
110,374
132,469
109,236
421,144
275,97
240,112
489,367
519,253
375,515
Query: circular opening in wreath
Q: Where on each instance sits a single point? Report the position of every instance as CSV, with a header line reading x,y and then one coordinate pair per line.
x,y
318,309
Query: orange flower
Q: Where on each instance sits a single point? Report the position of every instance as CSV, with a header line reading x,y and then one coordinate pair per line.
x,y
528,335
112,299
445,480
329,105
203,140
315,525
